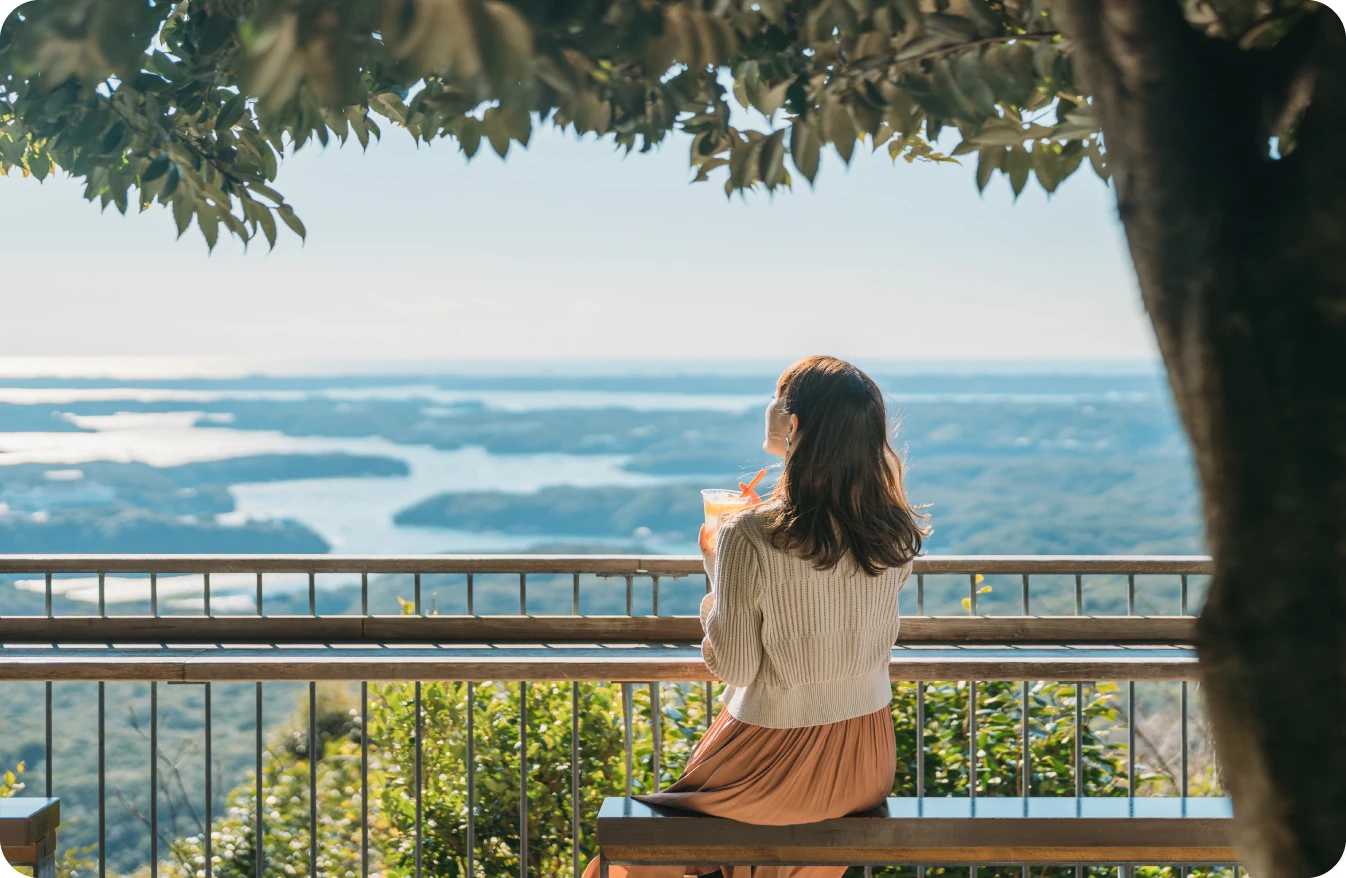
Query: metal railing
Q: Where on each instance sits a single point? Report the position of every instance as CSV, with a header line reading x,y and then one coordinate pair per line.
x,y
77,592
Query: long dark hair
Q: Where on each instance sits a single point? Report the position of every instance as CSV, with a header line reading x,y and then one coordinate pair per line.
x,y
840,492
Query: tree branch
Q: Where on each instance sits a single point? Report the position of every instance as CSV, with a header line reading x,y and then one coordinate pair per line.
x,y
985,41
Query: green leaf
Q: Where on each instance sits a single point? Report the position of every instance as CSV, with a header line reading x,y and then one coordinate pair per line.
x,y
703,170
156,169
232,112
208,220
1046,166
1017,167
971,78
989,160
469,137
287,216
772,99
839,128
497,131
805,149
182,213
772,159
171,181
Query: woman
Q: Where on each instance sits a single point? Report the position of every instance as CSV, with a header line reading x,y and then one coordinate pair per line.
x,y
801,620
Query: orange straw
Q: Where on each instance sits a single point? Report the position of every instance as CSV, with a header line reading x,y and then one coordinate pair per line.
x,y
756,480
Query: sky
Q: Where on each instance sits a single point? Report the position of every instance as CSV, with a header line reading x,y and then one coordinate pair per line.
x,y
568,250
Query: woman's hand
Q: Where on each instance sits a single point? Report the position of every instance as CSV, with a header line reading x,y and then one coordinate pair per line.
x,y
707,552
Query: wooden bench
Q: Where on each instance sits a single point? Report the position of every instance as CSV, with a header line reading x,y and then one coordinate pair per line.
x,y
28,833
932,831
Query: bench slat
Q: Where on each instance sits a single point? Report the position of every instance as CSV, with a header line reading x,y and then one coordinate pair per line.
x,y
618,664
1189,831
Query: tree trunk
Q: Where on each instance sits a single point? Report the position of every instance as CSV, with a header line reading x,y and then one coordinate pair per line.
x,y
1242,265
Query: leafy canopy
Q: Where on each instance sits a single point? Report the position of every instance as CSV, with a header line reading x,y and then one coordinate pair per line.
x,y
193,104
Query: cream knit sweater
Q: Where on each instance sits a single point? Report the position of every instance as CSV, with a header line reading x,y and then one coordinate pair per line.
x,y
796,646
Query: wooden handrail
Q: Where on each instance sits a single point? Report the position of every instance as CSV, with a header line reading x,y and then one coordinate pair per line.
x,y
615,663
394,630
602,565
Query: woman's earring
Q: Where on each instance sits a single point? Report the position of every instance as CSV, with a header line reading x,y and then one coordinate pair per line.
x,y
787,442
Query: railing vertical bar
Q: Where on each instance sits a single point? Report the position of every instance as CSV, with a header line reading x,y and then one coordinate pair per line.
x,y
920,738
628,594
416,594
1079,740
575,596
1131,739
154,595
312,595
259,595
972,593
655,581
523,779
1024,600
710,703
1079,594
312,769
50,754
1131,594
471,777
1183,594
102,783
205,592
655,725
920,594
154,781
1025,755
972,739
49,614
364,766
259,817
102,594
364,593
471,611
1184,739
626,732
575,775
419,751
210,792
523,594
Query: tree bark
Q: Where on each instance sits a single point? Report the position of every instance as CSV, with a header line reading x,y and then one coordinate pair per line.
x,y
1241,260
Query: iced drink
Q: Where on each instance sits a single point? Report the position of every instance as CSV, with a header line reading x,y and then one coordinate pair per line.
x,y
719,506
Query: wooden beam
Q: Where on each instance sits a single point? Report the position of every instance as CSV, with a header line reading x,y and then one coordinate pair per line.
x,y
602,565
636,664
1005,630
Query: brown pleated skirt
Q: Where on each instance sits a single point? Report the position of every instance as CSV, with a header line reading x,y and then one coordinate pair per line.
x,y
779,777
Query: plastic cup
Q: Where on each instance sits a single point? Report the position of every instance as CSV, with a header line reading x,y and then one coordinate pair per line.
x,y
721,504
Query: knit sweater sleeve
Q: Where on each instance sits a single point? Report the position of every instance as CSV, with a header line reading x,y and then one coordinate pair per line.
x,y
734,621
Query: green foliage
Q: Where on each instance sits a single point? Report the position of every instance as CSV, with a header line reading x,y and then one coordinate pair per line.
x,y
11,782
193,104
285,816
